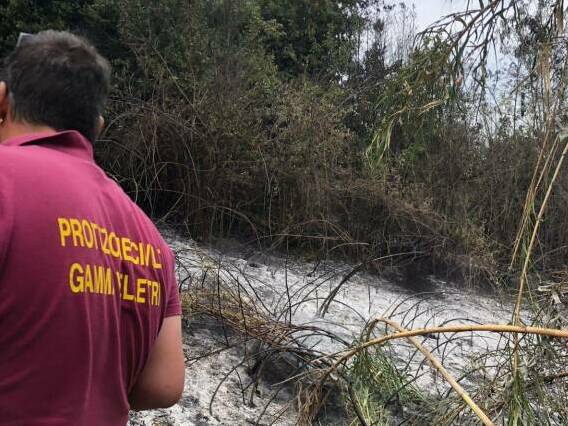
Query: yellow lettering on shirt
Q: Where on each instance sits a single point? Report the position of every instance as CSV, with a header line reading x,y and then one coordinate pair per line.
x,y
141,290
76,278
141,251
88,279
155,263
119,276
64,230
104,280
98,279
104,240
155,293
125,294
134,258
88,233
76,232
95,228
114,244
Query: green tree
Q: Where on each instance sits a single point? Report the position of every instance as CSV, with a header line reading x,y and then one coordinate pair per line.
x,y
317,38
32,16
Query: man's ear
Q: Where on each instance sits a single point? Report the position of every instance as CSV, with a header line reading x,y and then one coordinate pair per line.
x,y
100,126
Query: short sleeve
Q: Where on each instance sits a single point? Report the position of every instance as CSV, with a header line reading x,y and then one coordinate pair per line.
x,y
173,303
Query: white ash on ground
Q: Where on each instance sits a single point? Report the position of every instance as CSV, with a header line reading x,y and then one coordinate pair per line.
x,y
231,406
282,283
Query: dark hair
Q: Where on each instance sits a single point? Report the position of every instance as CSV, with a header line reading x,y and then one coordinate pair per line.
x,y
57,79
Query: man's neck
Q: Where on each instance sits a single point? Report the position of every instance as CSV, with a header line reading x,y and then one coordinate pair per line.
x,y
13,130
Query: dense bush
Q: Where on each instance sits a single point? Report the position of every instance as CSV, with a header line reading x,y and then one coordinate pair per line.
x,y
251,119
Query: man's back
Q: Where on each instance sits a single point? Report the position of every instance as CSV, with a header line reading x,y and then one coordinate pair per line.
x,y
85,283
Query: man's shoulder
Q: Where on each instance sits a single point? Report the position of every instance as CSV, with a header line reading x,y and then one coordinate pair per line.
x,y
13,153
14,159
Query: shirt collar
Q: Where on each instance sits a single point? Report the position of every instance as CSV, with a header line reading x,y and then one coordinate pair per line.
x,y
69,141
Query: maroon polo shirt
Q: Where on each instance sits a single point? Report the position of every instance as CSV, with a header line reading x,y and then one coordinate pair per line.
x,y
85,283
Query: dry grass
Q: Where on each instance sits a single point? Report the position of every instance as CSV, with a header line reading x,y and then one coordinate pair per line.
x,y
377,386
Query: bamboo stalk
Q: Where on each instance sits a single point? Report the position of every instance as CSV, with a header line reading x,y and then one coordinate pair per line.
x,y
445,373
495,328
531,195
517,313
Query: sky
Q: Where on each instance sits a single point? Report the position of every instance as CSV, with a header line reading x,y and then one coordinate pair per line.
x,y
428,11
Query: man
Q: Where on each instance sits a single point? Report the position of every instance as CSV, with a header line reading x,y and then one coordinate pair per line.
x,y
89,308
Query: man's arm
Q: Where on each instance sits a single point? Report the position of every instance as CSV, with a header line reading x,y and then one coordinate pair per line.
x,y
160,384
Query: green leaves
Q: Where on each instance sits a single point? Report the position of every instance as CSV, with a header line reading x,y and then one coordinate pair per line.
x,y
316,38
416,91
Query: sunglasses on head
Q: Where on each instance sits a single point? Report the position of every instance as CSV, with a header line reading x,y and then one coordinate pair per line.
x,y
23,38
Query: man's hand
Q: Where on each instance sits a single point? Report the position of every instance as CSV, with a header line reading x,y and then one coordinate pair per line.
x,y
160,384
